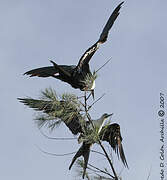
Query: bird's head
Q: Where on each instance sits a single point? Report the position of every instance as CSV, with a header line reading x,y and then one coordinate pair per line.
x,y
105,115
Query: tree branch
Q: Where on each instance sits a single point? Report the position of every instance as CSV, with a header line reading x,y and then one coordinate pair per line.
x,y
105,152
55,138
103,65
53,154
109,160
95,101
101,170
98,152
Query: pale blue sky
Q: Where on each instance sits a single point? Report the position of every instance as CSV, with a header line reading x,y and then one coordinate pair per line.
x,y
32,32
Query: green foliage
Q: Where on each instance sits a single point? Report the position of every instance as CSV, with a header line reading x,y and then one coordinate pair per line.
x,y
45,120
54,109
90,135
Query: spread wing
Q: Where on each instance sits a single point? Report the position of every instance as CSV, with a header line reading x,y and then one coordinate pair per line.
x,y
84,60
111,133
56,109
52,71
42,72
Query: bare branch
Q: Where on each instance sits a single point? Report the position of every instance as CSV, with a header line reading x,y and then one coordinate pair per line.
x,y
96,101
101,170
109,160
53,154
103,65
98,152
55,138
105,152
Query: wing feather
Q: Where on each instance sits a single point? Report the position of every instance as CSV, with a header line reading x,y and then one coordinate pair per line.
x,y
103,37
111,133
48,107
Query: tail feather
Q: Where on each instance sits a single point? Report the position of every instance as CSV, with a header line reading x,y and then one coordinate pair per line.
x,y
84,151
77,155
86,158
122,154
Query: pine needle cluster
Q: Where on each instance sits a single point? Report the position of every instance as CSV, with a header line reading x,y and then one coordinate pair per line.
x,y
54,109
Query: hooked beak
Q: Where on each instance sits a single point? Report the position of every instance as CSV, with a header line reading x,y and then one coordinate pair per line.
x,y
92,93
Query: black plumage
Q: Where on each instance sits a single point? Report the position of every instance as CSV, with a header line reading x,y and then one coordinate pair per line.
x,y
77,124
78,76
73,123
112,134
84,151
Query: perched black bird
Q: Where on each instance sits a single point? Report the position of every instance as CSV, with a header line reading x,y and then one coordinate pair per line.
x,y
87,129
110,133
77,124
78,76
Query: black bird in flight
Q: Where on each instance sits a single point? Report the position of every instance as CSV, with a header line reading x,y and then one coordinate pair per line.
x,y
78,76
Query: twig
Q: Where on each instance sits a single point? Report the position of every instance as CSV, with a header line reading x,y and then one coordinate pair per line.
x,y
53,154
55,138
103,65
88,96
98,152
88,177
96,101
86,110
101,170
109,160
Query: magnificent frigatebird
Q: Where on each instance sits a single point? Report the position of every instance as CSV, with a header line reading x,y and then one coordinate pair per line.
x,y
78,76
78,124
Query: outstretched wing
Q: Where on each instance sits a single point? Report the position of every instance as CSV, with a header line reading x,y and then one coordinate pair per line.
x,y
38,105
52,71
84,60
42,72
109,24
111,133
56,110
